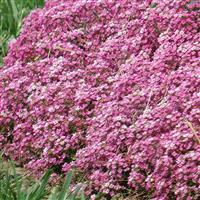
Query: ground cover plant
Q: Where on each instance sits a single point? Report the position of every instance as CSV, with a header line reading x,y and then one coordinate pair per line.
x,y
111,88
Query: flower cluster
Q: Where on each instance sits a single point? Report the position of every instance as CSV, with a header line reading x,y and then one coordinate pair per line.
x,y
111,87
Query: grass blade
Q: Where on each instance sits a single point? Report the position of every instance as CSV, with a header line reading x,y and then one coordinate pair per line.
x,y
74,193
65,188
14,10
37,192
82,195
53,195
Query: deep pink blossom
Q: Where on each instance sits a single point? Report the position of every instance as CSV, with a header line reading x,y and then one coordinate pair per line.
x,y
110,87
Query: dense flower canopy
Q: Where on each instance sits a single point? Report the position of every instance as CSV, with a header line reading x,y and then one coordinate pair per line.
x,y
111,87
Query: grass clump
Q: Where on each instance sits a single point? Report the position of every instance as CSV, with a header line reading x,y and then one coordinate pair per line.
x,y
14,186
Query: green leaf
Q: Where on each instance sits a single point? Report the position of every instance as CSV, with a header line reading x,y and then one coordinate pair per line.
x,y
65,188
21,195
38,189
53,195
74,194
17,181
14,9
82,195
153,5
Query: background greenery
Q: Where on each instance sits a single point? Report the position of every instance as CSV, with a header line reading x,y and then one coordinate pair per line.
x,y
12,13
17,186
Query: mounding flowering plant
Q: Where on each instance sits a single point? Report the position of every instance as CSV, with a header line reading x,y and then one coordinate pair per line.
x,y
111,87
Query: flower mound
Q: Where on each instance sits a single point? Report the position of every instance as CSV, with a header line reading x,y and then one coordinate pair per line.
x,y
110,87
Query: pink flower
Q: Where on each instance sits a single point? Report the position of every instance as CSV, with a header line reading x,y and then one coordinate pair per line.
x,y
107,87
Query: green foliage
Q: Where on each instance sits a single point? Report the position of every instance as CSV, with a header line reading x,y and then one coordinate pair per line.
x,y
12,13
12,186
